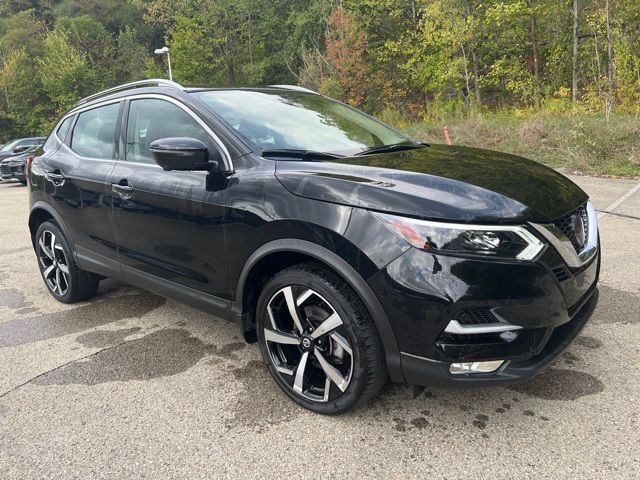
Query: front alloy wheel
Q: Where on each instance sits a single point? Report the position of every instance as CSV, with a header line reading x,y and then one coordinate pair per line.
x,y
307,343
318,339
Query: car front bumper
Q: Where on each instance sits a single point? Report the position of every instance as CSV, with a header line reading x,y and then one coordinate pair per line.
x,y
9,172
546,302
428,372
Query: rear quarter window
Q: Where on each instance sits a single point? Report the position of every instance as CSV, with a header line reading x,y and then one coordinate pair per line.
x,y
63,129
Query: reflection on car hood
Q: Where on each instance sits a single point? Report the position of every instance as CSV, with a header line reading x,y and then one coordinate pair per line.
x,y
439,182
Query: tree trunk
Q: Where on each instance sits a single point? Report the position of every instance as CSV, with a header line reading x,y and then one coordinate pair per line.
x,y
250,23
574,56
474,62
597,77
476,77
610,64
467,81
6,91
536,57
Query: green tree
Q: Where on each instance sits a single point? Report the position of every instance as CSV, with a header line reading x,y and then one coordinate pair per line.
x,y
65,72
22,31
25,105
132,57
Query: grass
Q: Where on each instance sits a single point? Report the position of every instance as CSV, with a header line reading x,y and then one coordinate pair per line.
x,y
585,145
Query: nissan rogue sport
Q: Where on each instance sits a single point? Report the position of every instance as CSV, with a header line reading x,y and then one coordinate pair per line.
x,y
350,252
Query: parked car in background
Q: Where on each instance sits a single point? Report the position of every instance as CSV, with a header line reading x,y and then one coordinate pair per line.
x,y
19,146
12,168
347,250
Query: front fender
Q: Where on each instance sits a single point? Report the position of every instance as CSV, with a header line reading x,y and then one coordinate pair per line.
x,y
348,274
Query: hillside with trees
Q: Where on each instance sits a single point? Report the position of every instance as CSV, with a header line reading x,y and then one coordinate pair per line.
x,y
547,72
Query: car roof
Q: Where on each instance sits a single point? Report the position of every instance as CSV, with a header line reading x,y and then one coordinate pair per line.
x,y
174,89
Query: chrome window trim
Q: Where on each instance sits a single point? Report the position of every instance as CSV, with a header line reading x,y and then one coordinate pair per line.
x,y
93,105
564,246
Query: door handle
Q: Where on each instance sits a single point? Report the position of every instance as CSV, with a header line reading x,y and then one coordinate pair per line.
x,y
55,177
124,191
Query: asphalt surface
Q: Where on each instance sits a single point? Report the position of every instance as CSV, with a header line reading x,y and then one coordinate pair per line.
x,y
131,385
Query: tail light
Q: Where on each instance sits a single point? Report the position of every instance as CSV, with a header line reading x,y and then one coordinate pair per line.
x,y
27,168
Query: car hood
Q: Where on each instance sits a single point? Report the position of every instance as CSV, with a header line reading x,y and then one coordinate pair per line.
x,y
438,182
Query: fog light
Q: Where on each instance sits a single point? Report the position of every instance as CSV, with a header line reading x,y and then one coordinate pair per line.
x,y
475,367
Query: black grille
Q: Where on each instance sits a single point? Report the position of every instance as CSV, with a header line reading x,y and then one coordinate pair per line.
x,y
471,339
561,273
475,316
566,225
5,170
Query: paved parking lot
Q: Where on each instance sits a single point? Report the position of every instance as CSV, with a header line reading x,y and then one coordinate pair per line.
x,y
131,385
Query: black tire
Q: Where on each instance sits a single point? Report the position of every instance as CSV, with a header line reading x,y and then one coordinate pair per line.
x,y
74,286
368,370
23,181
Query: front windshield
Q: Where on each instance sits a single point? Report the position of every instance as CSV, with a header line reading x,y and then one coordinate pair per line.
x,y
273,120
9,146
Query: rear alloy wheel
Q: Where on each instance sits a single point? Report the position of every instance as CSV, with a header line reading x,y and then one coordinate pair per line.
x,y
55,269
66,282
318,340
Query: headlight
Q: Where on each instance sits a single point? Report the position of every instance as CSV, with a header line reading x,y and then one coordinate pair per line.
x,y
460,239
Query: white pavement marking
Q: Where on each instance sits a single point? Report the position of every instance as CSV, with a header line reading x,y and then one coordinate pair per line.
x,y
618,202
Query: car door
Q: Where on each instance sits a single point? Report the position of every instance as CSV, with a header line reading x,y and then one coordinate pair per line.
x,y
77,179
168,225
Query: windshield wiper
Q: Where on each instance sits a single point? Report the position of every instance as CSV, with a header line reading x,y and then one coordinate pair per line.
x,y
299,153
396,147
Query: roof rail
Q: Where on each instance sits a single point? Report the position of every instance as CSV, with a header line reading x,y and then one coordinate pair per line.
x,y
297,88
152,82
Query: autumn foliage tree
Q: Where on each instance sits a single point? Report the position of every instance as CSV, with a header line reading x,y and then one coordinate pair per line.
x,y
346,46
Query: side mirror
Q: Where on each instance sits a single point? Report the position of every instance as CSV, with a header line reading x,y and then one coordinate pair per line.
x,y
21,149
181,153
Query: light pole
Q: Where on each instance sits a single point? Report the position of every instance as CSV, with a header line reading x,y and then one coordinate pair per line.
x,y
162,51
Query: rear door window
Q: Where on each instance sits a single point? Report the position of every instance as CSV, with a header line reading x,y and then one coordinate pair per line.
x,y
94,133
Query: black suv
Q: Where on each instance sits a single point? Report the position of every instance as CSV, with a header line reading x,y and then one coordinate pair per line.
x,y
348,251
